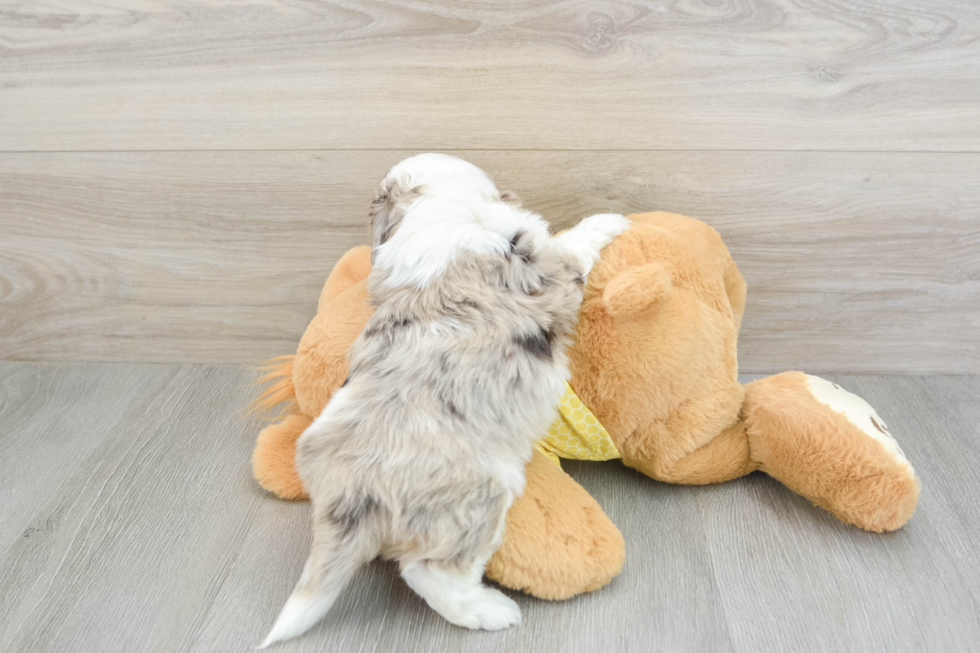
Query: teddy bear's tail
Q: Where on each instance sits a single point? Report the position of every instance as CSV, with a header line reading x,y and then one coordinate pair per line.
x,y
278,379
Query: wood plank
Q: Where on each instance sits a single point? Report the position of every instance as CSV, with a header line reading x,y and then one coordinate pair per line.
x,y
147,515
146,533
855,262
766,74
160,540
379,613
779,560
55,435
43,407
941,415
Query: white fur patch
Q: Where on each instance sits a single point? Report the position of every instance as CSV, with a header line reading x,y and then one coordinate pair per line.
x,y
299,615
458,210
429,240
461,598
858,412
590,235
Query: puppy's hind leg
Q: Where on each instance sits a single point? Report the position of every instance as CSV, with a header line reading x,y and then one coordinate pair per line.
x,y
458,594
343,541
449,576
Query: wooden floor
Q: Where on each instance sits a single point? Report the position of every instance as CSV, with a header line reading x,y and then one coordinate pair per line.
x,y
129,522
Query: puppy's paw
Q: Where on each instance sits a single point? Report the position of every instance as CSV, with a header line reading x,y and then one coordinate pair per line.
x,y
589,236
600,229
490,609
504,614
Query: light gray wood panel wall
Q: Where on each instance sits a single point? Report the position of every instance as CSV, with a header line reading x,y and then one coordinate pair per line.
x,y
731,74
129,523
855,261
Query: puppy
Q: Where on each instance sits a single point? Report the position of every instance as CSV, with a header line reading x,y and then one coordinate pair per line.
x,y
419,455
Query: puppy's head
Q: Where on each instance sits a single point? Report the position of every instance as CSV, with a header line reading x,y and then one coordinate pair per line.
x,y
433,176
432,207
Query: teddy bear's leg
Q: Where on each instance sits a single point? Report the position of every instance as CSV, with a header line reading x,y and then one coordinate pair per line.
x,y
274,458
832,447
558,541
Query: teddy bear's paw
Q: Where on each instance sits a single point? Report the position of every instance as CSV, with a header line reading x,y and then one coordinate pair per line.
x,y
832,447
274,458
859,413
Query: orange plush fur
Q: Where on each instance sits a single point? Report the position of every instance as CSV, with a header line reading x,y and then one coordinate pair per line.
x,y
655,359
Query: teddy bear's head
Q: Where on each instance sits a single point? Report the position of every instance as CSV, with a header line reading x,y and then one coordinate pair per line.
x,y
320,364
655,344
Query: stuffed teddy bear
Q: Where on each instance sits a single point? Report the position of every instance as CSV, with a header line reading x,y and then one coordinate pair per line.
x,y
654,381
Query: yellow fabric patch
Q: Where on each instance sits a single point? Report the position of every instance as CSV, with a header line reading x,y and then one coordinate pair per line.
x,y
576,434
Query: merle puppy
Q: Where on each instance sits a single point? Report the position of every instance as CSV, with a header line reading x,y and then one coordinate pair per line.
x,y
419,455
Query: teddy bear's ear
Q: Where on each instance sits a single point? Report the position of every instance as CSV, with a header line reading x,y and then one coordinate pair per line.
x,y
636,290
735,289
351,268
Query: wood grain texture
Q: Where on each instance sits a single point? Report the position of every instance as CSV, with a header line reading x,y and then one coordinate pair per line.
x,y
129,523
692,74
855,262
862,586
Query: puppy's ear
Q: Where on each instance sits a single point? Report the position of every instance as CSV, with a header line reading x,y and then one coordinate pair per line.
x,y
510,197
388,207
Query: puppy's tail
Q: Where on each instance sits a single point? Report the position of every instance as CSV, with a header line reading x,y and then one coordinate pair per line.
x,y
342,543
